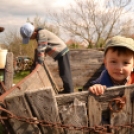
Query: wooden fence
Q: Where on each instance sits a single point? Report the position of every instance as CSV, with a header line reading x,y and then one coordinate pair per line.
x,y
75,113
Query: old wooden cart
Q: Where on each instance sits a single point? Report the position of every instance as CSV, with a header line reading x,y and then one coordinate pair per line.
x,y
33,106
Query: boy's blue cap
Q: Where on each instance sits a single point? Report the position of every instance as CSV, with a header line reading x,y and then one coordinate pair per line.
x,y
26,31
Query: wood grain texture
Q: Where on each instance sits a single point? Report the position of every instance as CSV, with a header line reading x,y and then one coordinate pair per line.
x,y
94,112
44,106
123,117
74,114
8,79
18,106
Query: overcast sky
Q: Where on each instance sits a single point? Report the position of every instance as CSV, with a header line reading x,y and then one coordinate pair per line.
x,y
14,13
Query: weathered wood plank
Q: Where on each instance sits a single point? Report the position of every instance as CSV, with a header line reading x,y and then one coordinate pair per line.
x,y
8,77
94,112
36,80
74,114
83,96
18,106
103,100
124,116
44,105
54,85
78,66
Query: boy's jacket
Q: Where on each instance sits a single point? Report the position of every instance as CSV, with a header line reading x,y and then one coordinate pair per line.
x,y
104,79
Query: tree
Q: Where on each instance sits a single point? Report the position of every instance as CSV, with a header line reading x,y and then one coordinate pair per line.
x,y
92,20
14,41
38,22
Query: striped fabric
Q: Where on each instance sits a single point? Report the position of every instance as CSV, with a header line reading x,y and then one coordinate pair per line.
x,y
51,44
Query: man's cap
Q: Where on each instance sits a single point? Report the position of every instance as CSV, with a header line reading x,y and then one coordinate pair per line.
x,y
2,29
26,31
120,41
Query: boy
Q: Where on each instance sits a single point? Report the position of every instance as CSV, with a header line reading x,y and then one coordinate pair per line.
x,y
119,64
52,45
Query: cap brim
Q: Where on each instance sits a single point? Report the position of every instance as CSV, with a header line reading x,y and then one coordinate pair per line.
x,y
121,45
26,40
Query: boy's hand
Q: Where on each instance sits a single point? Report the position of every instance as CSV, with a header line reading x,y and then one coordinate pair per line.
x,y
97,89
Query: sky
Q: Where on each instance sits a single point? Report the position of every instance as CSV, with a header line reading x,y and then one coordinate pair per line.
x,y
14,13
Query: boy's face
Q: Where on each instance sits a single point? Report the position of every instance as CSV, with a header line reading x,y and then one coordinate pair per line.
x,y
119,66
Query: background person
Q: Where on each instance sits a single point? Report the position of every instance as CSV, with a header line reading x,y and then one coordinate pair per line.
x,y
52,45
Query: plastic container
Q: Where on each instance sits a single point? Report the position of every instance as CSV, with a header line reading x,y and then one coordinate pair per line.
x,y
3,54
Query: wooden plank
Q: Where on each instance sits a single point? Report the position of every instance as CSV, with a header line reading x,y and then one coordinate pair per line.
x,y
44,105
36,80
54,85
94,112
18,106
103,100
85,53
8,78
124,116
78,66
64,99
74,114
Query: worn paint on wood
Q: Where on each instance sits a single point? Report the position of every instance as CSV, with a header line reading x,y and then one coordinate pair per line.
x,y
94,112
124,116
19,106
74,114
44,106
8,79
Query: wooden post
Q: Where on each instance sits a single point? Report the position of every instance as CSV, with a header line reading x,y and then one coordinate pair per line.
x,y
8,77
44,105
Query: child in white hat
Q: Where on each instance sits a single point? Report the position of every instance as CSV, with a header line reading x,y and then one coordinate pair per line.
x,y
52,45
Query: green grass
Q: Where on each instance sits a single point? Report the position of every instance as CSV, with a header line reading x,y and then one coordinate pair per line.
x,y
1,129
20,75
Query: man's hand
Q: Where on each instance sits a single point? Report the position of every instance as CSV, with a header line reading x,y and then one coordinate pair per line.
x,y
97,89
2,29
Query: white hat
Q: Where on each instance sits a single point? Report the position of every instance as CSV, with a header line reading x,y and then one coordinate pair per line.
x,y
26,31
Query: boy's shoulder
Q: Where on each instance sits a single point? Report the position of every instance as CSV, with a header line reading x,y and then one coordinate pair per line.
x,y
104,79
131,79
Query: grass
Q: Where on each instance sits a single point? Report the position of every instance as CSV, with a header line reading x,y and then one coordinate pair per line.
x,y
1,129
18,76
